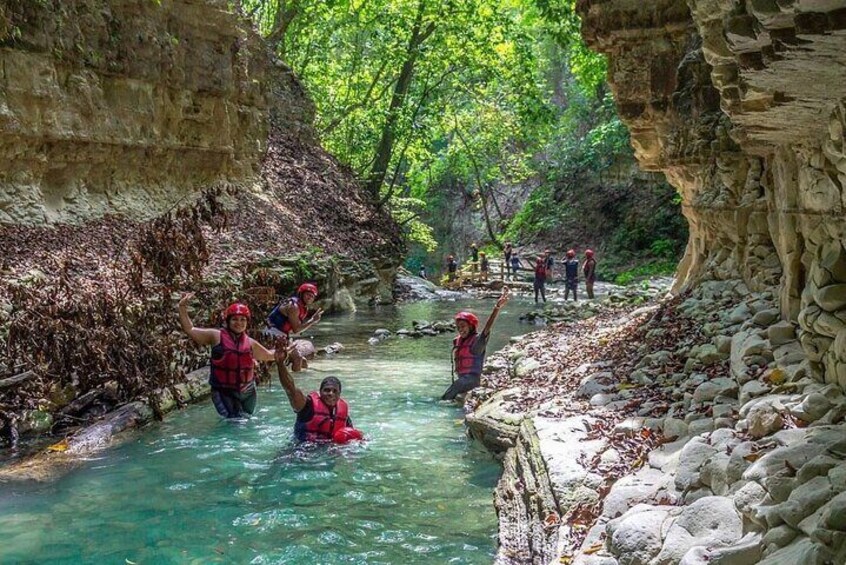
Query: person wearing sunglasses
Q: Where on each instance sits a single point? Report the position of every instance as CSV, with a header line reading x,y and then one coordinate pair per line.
x,y
322,415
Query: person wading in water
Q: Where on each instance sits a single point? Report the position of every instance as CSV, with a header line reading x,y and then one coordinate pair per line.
x,y
232,376
321,415
540,278
289,316
468,349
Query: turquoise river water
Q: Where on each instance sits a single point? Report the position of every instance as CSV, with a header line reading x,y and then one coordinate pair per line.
x,y
196,489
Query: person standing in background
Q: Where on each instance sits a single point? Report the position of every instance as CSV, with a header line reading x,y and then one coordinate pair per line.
x,y
589,270
540,278
571,271
550,263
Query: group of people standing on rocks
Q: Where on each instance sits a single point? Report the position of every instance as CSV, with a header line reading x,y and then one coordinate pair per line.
x,y
322,415
543,269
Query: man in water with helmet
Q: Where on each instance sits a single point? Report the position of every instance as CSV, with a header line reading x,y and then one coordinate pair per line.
x,y
322,415
468,349
232,375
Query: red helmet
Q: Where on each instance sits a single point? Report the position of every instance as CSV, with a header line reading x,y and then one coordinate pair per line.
x,y
469,318
589,252
236,309
571,253
307,287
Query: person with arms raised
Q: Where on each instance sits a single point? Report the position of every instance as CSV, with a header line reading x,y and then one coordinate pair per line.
x,y
232,373
322,415
468,349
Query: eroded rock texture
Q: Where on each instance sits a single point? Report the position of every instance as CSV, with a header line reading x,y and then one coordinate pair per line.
x,y
741,104
125,106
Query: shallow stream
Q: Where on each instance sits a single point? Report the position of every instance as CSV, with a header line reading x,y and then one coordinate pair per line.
x,y
196,489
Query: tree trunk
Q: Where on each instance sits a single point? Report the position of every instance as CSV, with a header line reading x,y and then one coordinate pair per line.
x,y
482,196
384,149
285,14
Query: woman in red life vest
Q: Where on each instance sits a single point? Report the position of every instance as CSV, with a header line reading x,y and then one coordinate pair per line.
x,y
540,278
289,316
468,349
321,415
232,375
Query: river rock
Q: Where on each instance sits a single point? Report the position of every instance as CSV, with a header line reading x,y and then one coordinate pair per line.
x,y
711,389
713,473
781,333
805,499
707,354
747,497
596,384
674,428
802,551
812,408
635,537
711,521
753,389
765,418
646,485
602,399
331,349
834,515
693,456
832,297
747,551
740,314
563,444
779,537
701,426
766,317
496,422
36,422
526,366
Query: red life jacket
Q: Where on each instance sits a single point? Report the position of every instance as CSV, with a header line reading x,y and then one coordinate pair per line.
x,y
232,363
280,321
323,424
466,363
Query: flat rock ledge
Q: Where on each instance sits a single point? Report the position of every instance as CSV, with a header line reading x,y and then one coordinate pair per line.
x,y
50,463
720,441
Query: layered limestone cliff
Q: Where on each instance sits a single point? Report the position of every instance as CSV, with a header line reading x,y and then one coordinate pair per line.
x,y
152,147
124,107
740,104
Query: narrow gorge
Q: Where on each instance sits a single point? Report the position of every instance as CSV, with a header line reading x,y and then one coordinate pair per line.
x,y
155,147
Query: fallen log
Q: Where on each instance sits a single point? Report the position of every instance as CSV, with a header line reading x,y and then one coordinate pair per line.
x,y
16,380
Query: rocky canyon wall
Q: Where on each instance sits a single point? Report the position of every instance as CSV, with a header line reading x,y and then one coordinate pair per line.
x,y
741,105
124,106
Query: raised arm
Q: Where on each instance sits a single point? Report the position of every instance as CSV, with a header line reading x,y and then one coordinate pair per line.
x,y
312,320
295,396
503,298
201,336
297,326
260,352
